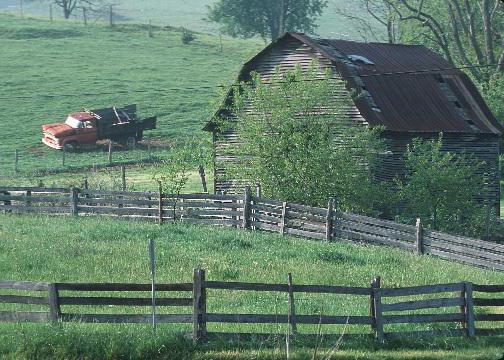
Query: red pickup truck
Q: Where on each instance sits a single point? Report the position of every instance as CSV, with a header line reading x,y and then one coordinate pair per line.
x,y
88,126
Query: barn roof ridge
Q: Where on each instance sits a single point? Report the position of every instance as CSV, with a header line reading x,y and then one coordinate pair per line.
x,y
441,100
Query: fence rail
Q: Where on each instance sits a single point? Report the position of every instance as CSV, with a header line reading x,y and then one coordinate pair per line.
x,y
462,307
257,213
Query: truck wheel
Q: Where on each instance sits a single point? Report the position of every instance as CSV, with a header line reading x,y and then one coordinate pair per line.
x,y
131,142
70,146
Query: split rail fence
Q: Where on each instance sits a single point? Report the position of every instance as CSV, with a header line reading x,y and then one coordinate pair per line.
x,y
252,212
459,307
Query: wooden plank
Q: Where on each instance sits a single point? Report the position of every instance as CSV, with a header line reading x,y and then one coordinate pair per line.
x,y
305,234
114,211
36,209
488,302
354,236
207,197
305,225
276,213
118,201
470,242
329,220
378,322
218,213
295,215
423,289
489,317
488,288
34,199
264,226
422,318
330,289
245,286
15,299
466,259
127,318
393,235
247,319
259,217
123,287
266,202
205,205
465,250
34,189
22,316
309,209
419,237
489,332
424,333
378,222
23,285
98,193
125,301
342,320
74,201
423,304
217,222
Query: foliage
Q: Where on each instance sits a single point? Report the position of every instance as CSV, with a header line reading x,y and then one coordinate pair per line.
x,y
174,170
187,36
299,143
494,96
441,189
266,18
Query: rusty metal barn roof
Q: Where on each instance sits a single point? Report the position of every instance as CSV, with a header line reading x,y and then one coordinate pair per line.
x,y
410,88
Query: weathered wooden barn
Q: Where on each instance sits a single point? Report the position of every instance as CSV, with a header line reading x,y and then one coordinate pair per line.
x,y
408,89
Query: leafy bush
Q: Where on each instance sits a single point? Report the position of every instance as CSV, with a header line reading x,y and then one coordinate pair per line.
x,y
441,188
299,143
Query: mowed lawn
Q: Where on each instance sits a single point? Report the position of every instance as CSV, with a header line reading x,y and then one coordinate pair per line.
x,y
65,249
52,69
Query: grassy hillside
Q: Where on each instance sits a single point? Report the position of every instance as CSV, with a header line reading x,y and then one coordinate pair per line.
x,y
189,14
90,249
50,69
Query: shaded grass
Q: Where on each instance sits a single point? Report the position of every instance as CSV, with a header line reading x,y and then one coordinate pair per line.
x,y
64,249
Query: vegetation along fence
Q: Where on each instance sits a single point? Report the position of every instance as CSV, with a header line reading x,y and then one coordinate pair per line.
x,y
252,212
455,305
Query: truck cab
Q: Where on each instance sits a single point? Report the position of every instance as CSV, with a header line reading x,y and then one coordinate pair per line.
x,y
78,128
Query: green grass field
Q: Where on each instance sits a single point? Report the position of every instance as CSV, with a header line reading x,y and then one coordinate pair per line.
x,y
101,250
51,69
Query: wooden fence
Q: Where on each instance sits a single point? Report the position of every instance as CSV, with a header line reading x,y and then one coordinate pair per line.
x,y
252,212
455,305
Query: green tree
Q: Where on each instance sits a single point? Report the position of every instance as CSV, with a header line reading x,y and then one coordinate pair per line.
x,y
266,18
298,142
441,189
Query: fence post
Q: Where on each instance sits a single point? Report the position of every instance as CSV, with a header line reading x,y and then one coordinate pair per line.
x,y
74,201
258,190
292,306
199,306
246,208
111,16
28,196
375,284
16,160
54,306
419,237
150,29
201,170
377,309
110,152
284,215
123,178
50,13
469,310
329,219
160,213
